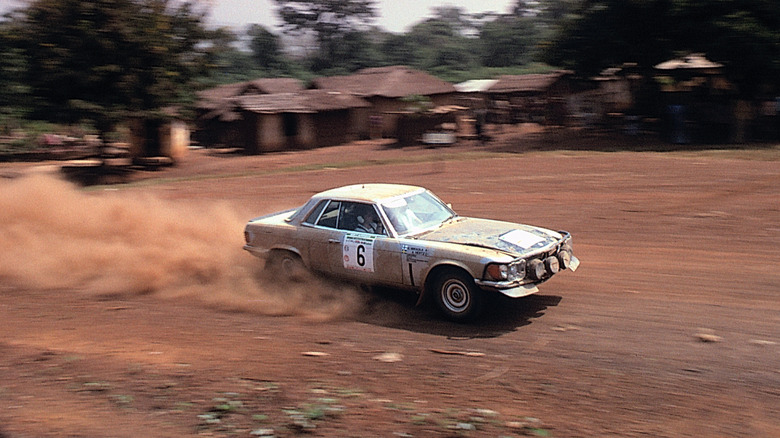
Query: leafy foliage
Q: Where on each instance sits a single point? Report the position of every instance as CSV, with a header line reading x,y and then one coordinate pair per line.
x,y
440,44
325,18
14,92
509,41
337,27
266,49
744,35
224,62
103,60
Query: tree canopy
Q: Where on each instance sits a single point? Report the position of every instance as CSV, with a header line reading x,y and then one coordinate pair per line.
x,y
325,18
744,35
335,25
101,61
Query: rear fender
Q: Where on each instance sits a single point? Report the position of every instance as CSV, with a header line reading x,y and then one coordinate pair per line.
x,y
288,248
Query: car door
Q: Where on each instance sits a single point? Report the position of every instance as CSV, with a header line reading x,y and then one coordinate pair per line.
x,y
365,256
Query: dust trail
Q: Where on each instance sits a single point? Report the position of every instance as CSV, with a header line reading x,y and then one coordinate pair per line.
x,y
55,237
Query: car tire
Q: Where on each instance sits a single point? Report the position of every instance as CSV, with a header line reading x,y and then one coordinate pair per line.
x,y
457,296
285,266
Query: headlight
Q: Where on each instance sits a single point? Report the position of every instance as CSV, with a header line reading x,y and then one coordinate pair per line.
x,y
498,271
504,272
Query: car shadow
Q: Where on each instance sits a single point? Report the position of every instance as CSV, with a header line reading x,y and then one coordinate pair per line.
x,y
501,315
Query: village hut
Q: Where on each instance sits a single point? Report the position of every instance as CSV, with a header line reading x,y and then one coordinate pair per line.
x,y
612,101
301,120
160,140
534,97
218,120
700,105
390,91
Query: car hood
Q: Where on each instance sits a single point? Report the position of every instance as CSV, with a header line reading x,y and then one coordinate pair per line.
x,y
513,238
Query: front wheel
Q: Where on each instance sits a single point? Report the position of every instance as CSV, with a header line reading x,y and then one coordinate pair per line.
x,y
457,295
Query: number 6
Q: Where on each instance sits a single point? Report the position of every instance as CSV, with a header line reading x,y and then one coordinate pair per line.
x,y
361,259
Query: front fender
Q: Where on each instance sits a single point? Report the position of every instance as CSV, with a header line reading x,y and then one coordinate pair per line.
x,y
430,275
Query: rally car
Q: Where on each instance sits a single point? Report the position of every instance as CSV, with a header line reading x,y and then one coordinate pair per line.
x,y
405,237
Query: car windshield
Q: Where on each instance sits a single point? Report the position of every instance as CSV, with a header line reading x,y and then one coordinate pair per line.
x,y
416,212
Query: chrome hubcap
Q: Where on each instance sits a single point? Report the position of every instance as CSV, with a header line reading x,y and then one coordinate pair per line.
x,y
456,296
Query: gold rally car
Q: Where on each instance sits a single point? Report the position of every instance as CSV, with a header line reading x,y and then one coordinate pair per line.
x,y
405,237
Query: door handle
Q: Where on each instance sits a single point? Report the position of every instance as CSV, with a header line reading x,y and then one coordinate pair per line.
x,y
334,241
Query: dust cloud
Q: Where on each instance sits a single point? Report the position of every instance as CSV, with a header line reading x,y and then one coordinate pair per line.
x,y
55,236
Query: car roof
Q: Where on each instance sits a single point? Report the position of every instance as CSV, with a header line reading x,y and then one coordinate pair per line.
x,y
374,192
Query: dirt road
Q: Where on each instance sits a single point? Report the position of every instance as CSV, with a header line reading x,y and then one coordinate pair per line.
x,y
132,311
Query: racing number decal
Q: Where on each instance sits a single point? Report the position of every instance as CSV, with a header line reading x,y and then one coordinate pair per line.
x,y
361,258
358,253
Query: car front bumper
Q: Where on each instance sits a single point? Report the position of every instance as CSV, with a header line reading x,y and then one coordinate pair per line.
x,y
520,288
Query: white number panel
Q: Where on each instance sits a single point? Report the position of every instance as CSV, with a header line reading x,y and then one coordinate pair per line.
x,y
358,253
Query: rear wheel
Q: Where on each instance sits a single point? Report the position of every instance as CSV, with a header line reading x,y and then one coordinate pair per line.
x,y
457,295
285,265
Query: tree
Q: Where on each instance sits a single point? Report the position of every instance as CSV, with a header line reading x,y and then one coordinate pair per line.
x,y
226,62
509,41
14,93
460,22
611,32
399,49
551,12
744,35
332,23
440,45
102,60
266,49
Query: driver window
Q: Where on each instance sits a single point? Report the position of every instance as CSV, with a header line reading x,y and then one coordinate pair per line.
x,y
357,216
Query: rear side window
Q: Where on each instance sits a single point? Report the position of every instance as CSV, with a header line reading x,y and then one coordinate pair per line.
x,y
315,213
330,216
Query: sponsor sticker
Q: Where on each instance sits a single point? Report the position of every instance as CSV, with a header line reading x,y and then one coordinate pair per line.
x,y
415,253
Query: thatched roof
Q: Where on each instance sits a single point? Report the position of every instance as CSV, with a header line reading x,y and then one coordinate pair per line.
x,y
217,103
526,83
391,82
212,98
307,101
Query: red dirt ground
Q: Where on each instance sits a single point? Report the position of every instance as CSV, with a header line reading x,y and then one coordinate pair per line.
x,y
131,310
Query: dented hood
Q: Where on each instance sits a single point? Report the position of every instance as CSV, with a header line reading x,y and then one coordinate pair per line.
x,y
513,238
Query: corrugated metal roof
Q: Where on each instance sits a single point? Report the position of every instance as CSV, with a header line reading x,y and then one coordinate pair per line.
x,y
475,85
391,82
